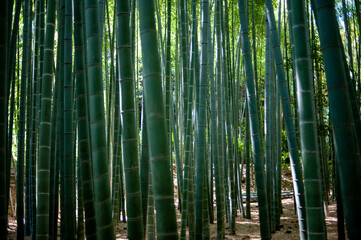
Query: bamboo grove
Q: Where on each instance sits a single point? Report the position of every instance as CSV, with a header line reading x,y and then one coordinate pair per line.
x,y
148,111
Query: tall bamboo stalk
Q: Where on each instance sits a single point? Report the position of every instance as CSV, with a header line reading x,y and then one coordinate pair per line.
x,y
202,119
103,206
308,126
168,74
84,152
129,124
43,188
346,144
219,164
287,115
3,116
157,132
69,164
21,131
254,125
267,122
34,123
187,196
144,168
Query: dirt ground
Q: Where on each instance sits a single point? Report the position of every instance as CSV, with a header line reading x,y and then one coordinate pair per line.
x,y
249,228
245,228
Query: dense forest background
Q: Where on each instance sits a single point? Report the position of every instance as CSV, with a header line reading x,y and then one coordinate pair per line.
x,y
133,111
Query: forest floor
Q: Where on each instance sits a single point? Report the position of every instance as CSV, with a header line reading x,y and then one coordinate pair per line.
x,y
249,229
245,228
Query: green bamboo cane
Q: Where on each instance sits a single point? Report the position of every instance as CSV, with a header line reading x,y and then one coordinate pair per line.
x,y
278,176
186,214
28,138
41,53
179,93
84,152
213,136
34,123
60,118
191,194
173,123
272,192
54,207
11,81
144,167
168,73
116,150
307,119
268,124
103,209
80,220
12,45
294,85
3,115
9,160
254,126
78,207
133,37
351,91
287,113
69,164
21,131
205,207
10,131
101,12
319,101
193,117
196,61
111,35
116,158
340,212
157,133
248,167
184,56
27,160
43,188
160,36
53,176
228,82
347,151
177,154
358,15
254,47
223,111
121,174
150,210
219,171
236,131
109,109
114,121
254,43
60,130
348,33
201,125
129,124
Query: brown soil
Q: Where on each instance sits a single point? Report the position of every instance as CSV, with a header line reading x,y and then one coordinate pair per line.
x,y
249,228
245,228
